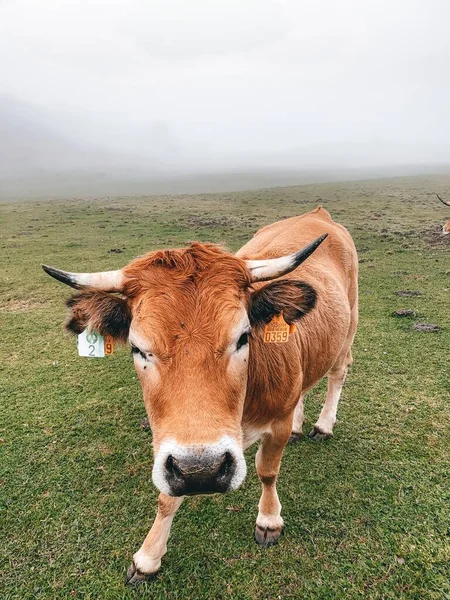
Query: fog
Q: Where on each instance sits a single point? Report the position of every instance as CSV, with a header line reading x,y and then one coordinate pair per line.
x,y
173,89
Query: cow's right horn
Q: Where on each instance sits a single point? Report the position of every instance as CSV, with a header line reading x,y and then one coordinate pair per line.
x,y
107,281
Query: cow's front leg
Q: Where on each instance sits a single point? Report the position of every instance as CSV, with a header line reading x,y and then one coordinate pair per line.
x,y
147,560
269,524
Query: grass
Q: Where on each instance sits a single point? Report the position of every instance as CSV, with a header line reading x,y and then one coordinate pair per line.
x,y
367,513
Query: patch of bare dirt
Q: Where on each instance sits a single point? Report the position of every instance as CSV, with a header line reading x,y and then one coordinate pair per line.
x,y
410,233
404,312
414,277
249,221
208,221
19,306
408,293
435,237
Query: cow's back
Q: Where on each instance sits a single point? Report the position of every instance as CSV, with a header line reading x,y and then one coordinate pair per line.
x,y
335,259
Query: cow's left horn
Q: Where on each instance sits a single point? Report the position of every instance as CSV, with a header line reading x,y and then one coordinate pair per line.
x,y
107,281
263,270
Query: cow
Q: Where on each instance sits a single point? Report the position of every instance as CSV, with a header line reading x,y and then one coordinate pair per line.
x,y
445,226
196,320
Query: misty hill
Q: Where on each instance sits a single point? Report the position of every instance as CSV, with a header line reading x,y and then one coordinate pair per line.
x,y
37,160
29,145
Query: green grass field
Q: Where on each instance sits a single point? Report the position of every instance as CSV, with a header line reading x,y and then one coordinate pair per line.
x,y
367,513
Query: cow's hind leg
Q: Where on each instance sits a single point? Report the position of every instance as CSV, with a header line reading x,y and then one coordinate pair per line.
x,y
323,429
269,524
147,560
297,426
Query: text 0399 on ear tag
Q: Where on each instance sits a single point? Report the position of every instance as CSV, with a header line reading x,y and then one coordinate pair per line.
x,y
94,345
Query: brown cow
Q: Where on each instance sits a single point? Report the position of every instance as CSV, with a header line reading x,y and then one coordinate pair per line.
x,y
445,226
195,319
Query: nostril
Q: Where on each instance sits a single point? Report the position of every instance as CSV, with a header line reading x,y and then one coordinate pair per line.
x,y
171,467
226,465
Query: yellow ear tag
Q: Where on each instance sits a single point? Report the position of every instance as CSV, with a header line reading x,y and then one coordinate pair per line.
x,y
277,331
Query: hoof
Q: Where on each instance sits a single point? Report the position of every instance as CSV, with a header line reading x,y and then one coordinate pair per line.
x,y
295,437
134,576
319,436
267,536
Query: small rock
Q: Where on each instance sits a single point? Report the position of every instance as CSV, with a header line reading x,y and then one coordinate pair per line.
x,y
115,251
426,327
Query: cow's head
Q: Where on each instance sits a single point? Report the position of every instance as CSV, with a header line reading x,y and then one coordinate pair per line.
x,y
188,315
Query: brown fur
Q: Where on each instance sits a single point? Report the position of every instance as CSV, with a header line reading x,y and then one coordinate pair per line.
x,y
446,227
99,311
185,305
186,300
293,298
204,264
268,479
279,373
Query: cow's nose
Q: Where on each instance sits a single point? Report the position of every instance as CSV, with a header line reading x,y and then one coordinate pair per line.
x,y
191,474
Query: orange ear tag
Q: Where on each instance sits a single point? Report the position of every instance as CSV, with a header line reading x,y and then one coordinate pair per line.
x,y
277,331
109,345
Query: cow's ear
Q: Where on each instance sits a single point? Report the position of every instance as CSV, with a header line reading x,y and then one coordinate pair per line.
x,y
99,311
294,298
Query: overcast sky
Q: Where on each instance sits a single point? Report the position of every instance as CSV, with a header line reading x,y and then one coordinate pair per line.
x,y
236,82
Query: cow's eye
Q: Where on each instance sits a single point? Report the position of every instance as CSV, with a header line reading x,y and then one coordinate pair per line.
x,y
135,350
243,340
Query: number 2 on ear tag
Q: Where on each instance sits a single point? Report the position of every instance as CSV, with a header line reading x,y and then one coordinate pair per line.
x,y
94,345
277,331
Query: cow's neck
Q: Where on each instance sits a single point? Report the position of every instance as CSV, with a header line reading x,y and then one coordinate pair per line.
x,y
274,381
